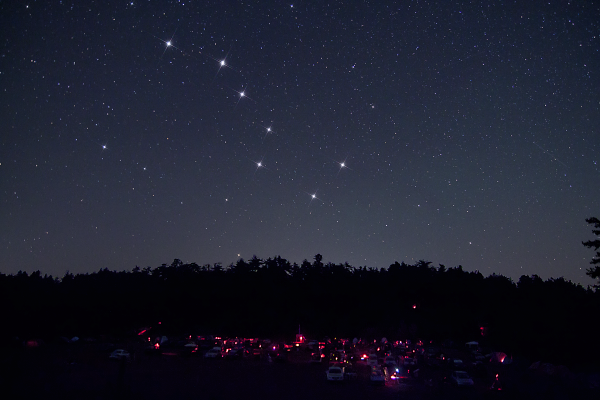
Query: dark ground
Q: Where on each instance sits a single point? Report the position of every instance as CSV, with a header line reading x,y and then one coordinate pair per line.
x,y
85,372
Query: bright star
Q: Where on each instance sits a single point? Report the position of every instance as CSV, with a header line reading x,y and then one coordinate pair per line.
x,y
268,130
259,165
313,196
242,94
222,62
168,43
342,165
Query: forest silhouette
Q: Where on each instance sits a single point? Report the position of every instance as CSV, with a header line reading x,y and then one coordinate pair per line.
x,y
550,320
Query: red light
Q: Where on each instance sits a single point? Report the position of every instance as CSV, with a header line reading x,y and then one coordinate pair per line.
x,y
414,306
159,322
142,332
156,346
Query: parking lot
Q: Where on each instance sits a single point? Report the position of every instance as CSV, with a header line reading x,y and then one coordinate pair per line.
x,y
94,376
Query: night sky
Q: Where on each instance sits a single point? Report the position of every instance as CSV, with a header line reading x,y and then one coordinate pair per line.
x,y
370,132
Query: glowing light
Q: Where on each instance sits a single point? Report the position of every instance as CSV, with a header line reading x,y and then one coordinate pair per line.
x,y
222,63
168,43
342,165
242,94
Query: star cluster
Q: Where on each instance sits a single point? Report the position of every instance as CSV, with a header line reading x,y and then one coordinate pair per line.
x,y
135,133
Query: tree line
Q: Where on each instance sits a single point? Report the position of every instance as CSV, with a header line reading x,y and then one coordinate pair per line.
x,y
271,297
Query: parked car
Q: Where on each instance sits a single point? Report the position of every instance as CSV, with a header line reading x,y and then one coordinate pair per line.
x,y
281,356
234,354
256,352
215,352
120,354
408,361
350,373
377,377
372,360
316,357
335,373
461,379
390,362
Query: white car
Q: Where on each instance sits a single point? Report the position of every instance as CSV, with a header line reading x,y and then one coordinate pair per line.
x,y
335,373
120,354
215,352
461,379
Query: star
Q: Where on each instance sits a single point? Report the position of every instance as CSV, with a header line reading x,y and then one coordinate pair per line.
x,y
259,164
223,62
242,94
342,165
168,43
268,130
313,196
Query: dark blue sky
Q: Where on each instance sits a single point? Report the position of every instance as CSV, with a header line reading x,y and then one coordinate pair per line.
x,y
469,134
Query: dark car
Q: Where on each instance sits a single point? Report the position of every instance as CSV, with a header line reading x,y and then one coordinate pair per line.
x,y
234,354
281,356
